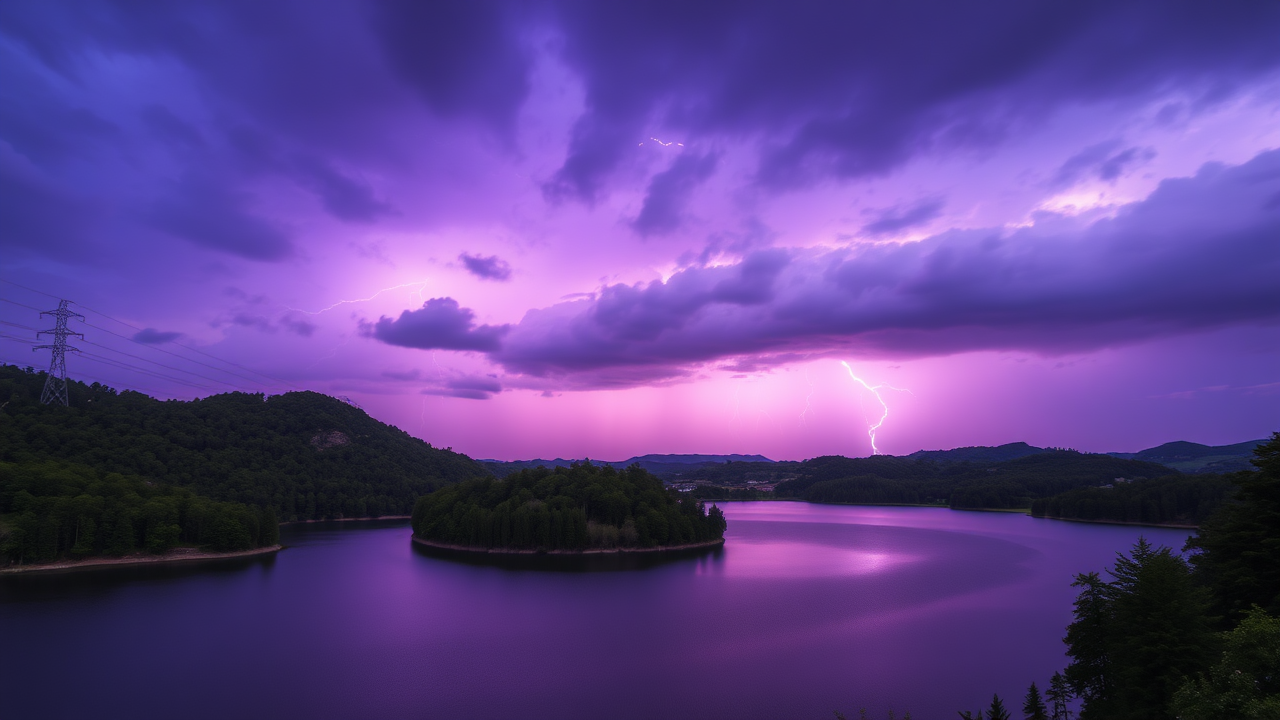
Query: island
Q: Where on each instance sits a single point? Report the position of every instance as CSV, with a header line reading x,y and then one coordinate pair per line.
x,y
579,509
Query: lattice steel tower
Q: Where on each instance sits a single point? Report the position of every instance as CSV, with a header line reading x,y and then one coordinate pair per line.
x,y
55,384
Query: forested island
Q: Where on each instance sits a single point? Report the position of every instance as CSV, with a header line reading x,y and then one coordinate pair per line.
x,y
572,509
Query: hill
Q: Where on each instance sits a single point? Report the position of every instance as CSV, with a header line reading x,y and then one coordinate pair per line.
x,y
303,454
980,453
1194,457
667,467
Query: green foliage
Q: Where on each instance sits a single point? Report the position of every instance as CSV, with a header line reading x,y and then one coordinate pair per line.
x,y
57,509
303,454
1245,682
1185,499
1005,484
1239,545
1137,636
569,508
1033,707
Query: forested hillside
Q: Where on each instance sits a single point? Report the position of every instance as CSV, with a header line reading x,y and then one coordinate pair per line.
x,y
1007,484
303,454
51,510
1178,499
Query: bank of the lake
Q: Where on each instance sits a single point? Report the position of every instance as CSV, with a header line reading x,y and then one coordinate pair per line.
x,y
1174,526
174,556
657,550
370,518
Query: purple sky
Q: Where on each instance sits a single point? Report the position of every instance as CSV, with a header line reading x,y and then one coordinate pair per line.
x,y
605,229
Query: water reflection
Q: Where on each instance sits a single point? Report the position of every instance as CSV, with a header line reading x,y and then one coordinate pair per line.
x,y
807,609
785,559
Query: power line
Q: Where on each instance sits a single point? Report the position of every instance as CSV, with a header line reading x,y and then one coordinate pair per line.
x,y
14,302
117,364
166,352
170,367
152,347
188,347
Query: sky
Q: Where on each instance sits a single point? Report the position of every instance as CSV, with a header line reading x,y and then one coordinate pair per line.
x,y
582,229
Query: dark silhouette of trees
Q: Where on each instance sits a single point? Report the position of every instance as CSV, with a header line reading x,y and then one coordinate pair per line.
x,y
1239,546
567,508
305,455
1033,707
1136,637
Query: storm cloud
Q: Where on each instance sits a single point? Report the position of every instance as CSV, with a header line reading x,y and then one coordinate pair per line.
x,y
440,324
1168,265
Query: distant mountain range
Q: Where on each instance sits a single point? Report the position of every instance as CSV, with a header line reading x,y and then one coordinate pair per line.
x,y
665,466
1187,457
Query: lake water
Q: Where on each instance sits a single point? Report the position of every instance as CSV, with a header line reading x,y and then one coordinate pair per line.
x,y
806,610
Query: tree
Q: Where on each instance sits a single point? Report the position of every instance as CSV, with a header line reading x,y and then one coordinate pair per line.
x,y
1059,695
997,711
966,715
1136,637
1240,543
1245,684
1033,705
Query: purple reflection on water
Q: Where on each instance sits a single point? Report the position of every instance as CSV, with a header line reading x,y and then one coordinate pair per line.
x,y
808,609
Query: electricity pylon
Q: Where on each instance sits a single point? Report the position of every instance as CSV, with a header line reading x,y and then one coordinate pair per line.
x,y
55,383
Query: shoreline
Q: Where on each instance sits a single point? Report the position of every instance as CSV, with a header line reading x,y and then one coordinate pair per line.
x,y
177,555
1173,526
347,519
569,553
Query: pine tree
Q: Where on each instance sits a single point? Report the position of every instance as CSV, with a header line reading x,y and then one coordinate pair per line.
x,y
1033,706
1059,695
997,711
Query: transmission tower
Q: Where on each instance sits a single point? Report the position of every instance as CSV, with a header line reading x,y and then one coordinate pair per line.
x,y
55,383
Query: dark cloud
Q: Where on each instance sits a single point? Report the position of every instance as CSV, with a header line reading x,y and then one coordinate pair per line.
x,y
1105,161
1199,253
470,388
491,267
345,198
206,212
856,89
668,193
403,376
298,326
896,219
151,336
440,324
250,320
465,59
39,218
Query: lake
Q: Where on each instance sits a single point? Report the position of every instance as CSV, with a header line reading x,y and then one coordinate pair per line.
x,y
806,610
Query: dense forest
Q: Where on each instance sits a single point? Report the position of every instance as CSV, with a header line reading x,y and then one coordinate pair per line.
x,y
50,510
302,454
1178,499
1002,484
1166,635
572,508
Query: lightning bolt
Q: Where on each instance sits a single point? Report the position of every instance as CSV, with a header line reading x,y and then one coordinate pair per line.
x,y
420,285
808,404
666,144
874,390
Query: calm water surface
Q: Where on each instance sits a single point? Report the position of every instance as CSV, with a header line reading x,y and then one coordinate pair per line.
x,y
807,609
